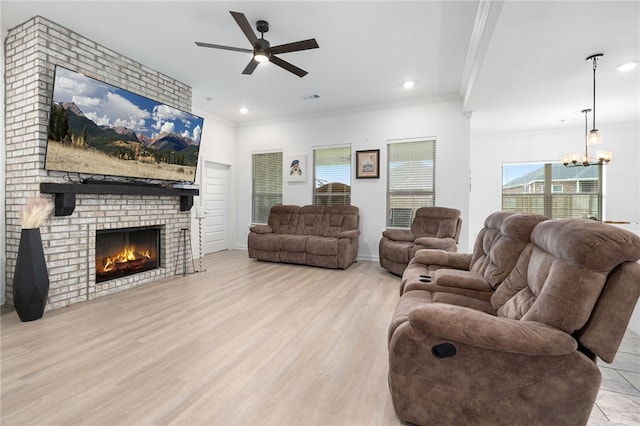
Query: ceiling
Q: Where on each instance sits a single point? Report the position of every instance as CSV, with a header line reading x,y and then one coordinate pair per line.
x,y
515,65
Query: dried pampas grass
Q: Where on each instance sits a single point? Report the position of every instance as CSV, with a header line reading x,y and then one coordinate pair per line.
x,y
36,212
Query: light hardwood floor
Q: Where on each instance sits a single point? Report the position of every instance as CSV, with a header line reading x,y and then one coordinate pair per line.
x,y
244,343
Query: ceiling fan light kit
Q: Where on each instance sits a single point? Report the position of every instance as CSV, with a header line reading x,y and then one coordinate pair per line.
x,y
262,50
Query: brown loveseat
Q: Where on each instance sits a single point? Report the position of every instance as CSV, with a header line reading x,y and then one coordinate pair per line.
x,y
309,235
527,354
432,227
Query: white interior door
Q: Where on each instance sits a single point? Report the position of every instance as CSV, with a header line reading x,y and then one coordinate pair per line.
x,y
214,224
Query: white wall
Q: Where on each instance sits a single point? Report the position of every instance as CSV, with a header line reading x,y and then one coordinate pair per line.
x,y
363,130
218,145
489,152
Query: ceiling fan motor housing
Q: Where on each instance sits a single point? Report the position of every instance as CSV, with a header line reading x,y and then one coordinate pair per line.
x,y
262,26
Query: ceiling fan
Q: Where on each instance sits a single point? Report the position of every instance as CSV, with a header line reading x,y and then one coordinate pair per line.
x,y
262,49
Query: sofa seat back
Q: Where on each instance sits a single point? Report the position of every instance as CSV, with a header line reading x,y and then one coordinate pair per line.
x,y
310,220
437,222
339,219
560,277
284,219
499,244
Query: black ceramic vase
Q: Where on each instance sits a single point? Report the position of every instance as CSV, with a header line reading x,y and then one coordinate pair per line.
x,y
31,280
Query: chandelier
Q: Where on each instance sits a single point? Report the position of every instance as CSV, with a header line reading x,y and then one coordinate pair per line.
x,y
574,160
592,137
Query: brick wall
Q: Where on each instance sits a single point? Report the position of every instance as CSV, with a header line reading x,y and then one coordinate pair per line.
x,y
31,52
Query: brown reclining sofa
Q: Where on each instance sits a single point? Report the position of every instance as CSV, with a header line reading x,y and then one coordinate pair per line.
x,y
513,340
325,236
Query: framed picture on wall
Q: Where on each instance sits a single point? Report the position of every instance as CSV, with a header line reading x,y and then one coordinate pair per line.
x,y
368,164
295,168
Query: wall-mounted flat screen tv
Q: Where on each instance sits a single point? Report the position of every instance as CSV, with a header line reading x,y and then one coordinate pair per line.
x,y
101,129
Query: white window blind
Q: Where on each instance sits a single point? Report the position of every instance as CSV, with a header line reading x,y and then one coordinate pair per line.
x,y
410,180
332,176
267,185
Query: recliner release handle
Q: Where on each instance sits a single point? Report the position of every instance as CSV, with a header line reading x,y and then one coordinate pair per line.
x,y
443,350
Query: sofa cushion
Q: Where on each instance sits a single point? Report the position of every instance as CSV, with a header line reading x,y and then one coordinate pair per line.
x,y
293,243
310,220
500,243
439,222
337,219
324,246
284,219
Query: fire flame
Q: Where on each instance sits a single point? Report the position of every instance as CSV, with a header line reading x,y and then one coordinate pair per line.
x,y
127,254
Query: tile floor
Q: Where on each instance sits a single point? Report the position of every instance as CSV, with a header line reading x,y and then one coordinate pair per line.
x,y
618,401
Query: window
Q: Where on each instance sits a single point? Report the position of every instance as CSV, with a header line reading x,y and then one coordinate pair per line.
x,y
553,190
410,180
332,176
267,185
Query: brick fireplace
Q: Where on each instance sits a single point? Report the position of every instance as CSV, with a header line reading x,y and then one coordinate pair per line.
x,y
31,52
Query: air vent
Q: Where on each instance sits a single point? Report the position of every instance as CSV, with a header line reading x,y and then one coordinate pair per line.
x,y
308,97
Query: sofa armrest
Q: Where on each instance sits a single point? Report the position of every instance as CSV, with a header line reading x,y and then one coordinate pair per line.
x,y
436,243
444,258
352,233
479,329
261,229
398,234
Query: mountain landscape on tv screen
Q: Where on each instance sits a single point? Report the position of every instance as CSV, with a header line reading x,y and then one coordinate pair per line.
x,y
124,143
101,129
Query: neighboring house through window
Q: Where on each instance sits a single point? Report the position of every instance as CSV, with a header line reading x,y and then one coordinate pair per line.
x,y
552,190
410,179
267,185
332,176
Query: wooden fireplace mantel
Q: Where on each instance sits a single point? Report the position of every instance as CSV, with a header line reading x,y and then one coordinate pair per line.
x,y
65,193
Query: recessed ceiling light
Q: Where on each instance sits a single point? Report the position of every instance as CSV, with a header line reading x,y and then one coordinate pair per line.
x,y
627,67
408,84
244,110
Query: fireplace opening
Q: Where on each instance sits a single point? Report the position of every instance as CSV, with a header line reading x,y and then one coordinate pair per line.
x,y
126,251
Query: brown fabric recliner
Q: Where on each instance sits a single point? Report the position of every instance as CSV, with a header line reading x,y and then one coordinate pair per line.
x,y
532,360
432,227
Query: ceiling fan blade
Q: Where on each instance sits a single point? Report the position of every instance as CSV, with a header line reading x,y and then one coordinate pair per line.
x,y
244,25
218,46
287,66
250,67
295,46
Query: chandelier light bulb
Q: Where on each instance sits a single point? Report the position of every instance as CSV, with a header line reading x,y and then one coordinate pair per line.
x,y
595,138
